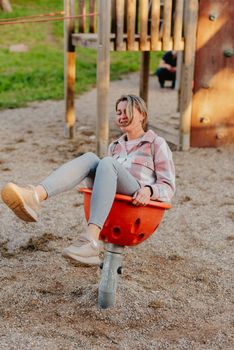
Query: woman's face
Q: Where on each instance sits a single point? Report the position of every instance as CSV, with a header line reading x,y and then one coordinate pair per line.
x,y
122,119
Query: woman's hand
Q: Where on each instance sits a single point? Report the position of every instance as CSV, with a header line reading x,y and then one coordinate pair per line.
x,y
142,196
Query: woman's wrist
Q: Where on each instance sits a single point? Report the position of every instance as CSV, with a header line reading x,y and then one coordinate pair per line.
x,y
151,190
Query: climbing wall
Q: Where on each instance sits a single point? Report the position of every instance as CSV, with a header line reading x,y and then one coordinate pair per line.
x,y
213,99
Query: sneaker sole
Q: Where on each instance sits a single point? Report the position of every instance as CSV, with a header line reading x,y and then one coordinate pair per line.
x,y
94,260
12,198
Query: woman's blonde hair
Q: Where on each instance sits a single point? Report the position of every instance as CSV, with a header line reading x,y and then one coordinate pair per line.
x,y
138,103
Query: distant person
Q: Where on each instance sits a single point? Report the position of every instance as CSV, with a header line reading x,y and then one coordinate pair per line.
x,y
167,69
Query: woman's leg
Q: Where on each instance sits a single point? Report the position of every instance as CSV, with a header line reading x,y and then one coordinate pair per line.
x,y
111,178
70,174
25,201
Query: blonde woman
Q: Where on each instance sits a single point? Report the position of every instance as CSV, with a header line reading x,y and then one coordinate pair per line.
x,y
138,164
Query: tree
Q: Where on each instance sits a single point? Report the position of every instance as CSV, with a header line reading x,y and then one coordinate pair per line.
x,y
5,5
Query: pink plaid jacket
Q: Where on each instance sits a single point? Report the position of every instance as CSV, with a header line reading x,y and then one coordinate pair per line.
x,y
150,162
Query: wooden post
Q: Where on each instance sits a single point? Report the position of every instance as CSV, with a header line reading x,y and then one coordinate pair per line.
x,y
92,20
155,24
103,76
69,68
187,73
178,24
144,75
82,20
120,45
144,9
178,76
131,25
167,14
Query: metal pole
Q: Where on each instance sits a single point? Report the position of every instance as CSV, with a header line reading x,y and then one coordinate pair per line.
x,y
112,266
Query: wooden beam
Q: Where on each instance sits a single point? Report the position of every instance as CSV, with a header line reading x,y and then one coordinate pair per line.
x,y
69,68
178,24
131,25
179,62
155,24
91,40
103,76
144,9
120,45
82,20
92,20
187,73
167,13
144,75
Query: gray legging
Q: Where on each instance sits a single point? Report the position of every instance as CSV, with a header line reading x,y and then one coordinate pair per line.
x,y
106,176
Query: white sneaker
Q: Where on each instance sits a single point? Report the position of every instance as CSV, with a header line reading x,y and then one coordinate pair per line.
x,y
22,200
84,250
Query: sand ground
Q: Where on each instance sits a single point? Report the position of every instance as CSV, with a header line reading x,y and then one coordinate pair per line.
x,y
177,288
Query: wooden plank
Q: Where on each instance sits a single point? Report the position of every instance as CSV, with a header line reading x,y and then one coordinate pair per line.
x,y
85,39
91,40
131,23
179,62
144,8
167,15
187,74
103,76
120,44
92,19
155,25
178,24
82,20
70,93
113,16
144,75
69,68
69,25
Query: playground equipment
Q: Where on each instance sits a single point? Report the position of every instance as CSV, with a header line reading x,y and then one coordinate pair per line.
x,y
126,225
212,106
133,25
206,107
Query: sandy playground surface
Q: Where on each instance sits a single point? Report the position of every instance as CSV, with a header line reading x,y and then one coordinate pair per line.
x,y
177,288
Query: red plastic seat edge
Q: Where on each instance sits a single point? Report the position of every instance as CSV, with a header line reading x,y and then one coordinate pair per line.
x,y
123,197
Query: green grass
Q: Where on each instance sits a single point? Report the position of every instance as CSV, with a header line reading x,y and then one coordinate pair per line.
x,y
38,73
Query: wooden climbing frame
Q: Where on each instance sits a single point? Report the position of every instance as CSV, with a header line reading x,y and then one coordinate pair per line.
x,y
132,25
